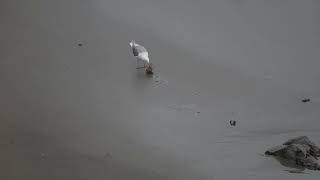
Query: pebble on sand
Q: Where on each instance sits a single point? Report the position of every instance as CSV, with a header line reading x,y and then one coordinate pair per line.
x,y
305,100
233,122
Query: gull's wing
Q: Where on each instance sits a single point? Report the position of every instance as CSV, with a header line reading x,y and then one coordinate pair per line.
x,y
138,49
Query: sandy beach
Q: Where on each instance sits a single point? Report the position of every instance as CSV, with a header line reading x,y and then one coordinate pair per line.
x,y
73,106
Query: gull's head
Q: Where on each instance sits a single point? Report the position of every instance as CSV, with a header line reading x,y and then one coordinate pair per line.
x,y
132,43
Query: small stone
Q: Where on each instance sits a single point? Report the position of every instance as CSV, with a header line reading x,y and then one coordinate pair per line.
x,y
305,100
298,151
233,122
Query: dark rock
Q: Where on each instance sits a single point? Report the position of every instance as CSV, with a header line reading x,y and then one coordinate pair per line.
x,y
305,100
304,140
233,122
299,151
274,150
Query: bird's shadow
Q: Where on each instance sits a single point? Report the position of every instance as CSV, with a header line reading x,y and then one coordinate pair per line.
x,y
142,75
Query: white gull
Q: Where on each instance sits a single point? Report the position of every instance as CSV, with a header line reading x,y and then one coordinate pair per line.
x,y
140,53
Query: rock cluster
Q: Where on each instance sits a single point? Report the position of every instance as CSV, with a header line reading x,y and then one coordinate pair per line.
x,y
299,151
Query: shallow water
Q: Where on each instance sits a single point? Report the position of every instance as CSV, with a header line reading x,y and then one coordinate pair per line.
x,y
85,112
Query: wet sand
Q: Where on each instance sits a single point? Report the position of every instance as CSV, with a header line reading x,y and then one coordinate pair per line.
x,y
71,111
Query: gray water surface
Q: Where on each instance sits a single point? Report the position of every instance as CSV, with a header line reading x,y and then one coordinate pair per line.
x,y
85,113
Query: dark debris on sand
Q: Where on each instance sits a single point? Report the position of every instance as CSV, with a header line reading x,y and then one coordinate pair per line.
x,y
305,100
233,122
299,151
